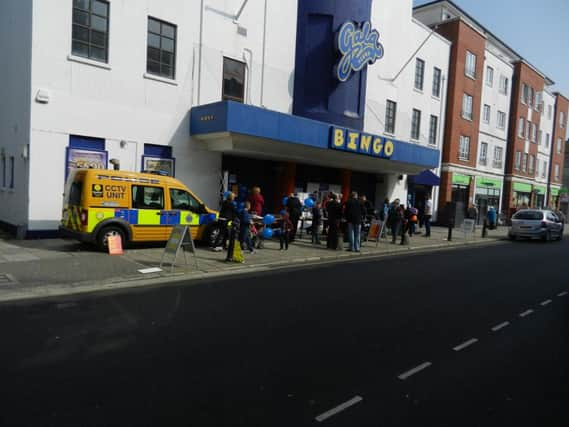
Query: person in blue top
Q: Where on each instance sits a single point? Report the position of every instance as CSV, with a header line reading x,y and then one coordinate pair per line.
x,y
245,228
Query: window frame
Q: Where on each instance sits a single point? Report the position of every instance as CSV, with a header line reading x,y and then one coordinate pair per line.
x,y
134,198
390,120
498,159
518,160
419,78
501,123
89,28
191,197
469,63
559,146
521,127
562,119
416,124
226,97
486,113
467,100
531,164
437,80
433,129
161,37
464,148
12,166
483,157
556,172
489,76
524,162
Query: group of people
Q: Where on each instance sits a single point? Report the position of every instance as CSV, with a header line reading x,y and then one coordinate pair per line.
x,y
402,221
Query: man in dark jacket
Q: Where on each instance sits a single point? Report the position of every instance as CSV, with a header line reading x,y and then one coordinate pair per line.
x,y
353,214
227,214
295,210
334,213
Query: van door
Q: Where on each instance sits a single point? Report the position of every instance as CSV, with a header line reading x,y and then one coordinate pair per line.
x,y
149,203
186,210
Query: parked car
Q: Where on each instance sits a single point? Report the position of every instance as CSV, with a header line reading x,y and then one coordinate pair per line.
x,y
536,224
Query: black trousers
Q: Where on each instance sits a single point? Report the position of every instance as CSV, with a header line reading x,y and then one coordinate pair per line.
x,y
284,238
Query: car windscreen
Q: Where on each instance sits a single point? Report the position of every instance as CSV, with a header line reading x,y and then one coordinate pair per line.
x,y
529,215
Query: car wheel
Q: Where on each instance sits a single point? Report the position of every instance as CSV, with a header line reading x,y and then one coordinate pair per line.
x,y
212,235
105,233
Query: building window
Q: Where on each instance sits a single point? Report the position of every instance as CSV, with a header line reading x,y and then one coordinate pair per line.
x,y
503,85
498,156
489,76
486,113
437,82
539,137
483,159
528,129
416,125
233,80
547,140
531,97
501,120
558,146
562,119
533,137
419,73
521,127
531,164
518,160
464,148
556,172
390,114
433,128
470,65
467,107
549,111
544,170
90,35
161,49
524,94
12,166
525,162
3,172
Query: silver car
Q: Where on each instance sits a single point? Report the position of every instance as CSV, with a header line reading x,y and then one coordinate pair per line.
x,y
536,224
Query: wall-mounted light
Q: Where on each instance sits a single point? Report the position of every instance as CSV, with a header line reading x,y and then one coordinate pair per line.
x,y
42,96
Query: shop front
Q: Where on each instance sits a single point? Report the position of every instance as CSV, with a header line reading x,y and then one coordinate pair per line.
x,y
283,153
419,187
487,194
554,198
521,195
460,196
539,196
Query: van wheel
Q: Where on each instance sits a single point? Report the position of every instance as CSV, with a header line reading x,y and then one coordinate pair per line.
x,y
105,233
212,235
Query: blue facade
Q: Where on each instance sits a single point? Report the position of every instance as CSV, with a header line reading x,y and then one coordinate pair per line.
x,y
318,94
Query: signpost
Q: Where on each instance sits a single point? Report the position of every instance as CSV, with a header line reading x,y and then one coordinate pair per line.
x,y
375,231
180,238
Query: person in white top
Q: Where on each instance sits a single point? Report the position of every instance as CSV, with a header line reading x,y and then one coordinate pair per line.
x,y
428,214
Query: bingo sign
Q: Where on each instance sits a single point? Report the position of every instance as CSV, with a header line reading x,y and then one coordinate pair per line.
x,y
359,47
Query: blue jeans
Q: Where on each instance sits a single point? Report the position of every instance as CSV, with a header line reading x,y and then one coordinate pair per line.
x,y
354,235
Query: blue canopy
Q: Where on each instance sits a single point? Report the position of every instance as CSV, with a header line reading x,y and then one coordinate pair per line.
x,y
424,178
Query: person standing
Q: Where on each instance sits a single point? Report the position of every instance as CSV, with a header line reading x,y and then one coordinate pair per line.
x,y
428,213
334,210
353,214
227,214
316,223
286,227
245,228
295,210
257,201
395,220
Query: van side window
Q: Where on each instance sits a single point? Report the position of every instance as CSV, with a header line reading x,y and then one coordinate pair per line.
x,y
75,193
183,200
147,197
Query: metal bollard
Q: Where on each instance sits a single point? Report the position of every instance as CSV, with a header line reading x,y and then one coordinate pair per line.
x,y
449,236
484,230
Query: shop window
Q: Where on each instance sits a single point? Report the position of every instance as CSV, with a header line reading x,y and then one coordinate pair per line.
x,y
390,116
437,74
433,129
233,80
147,197
183,200
419,73
161,48
90,32
416,124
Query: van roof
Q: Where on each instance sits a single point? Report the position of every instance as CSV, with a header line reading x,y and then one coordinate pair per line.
x,y
128,176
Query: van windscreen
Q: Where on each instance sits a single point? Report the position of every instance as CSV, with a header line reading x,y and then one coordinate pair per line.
x,y
75,193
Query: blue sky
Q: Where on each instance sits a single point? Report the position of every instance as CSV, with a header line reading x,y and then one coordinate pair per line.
x,y
538,30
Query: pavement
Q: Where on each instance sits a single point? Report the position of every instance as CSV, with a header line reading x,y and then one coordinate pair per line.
x,y
51,267
473,336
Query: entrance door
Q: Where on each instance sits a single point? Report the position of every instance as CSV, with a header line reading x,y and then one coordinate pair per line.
x,y
482,202
460,199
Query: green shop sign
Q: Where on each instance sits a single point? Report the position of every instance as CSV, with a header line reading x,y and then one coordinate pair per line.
x,y
555,191
489,183
538,189
460,179
521,187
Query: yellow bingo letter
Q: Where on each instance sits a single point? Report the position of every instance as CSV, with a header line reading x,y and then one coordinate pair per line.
x,y
352,143
338,138
365,143
388,149
377,146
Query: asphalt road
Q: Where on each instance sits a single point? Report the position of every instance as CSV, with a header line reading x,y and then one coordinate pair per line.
x,y
406,341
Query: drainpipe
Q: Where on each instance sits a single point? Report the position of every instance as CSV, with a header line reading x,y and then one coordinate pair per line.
x,y
200,52
263,57
249,67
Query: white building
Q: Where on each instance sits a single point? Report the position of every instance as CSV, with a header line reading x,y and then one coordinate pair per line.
x,y
93,83
544,145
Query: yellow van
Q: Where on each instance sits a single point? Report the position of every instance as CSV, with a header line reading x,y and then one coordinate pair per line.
x,y
139,207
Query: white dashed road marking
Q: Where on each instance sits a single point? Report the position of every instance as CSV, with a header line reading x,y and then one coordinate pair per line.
x,y
338,409
547,301
500,326
465,344
413,371
562,294
526,313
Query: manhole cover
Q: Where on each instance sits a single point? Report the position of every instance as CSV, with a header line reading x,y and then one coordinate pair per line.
x,y
7,279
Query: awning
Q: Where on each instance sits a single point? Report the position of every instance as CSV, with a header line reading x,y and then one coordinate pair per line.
x,y
424,178
246,130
